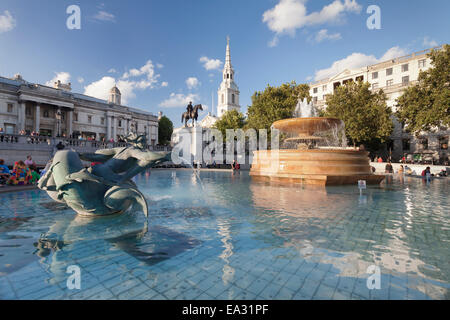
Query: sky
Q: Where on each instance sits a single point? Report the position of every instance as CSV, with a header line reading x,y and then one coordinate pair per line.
x,y
163,54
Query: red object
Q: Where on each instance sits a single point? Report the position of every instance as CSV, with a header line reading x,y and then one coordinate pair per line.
x,y
93,164
380,160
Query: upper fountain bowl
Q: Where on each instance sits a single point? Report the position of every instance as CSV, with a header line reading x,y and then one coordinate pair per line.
x,y
306,126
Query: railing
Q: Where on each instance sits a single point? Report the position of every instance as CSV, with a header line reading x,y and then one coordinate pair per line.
x,y
18,140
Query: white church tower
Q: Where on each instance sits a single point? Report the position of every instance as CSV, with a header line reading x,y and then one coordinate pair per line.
x,y
228,94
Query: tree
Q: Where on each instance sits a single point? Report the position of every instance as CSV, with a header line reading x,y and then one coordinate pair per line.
x,y
165,130
275,103
230,120
426,105
365,113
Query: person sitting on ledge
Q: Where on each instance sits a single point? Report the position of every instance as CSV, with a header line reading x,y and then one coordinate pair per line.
x,y
389,168
4,172
34,175
21,174
380,160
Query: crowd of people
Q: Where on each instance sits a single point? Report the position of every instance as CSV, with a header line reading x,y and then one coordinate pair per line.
x,y
23,173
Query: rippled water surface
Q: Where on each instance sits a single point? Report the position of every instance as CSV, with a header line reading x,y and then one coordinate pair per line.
x,y
224,236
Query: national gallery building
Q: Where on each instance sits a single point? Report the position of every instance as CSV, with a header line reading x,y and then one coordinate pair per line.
x,y
58,112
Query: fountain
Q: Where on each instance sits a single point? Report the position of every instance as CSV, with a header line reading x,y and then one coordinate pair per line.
x,y
313,151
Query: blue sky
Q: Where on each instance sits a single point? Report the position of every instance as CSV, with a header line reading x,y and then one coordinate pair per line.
x,y
151,48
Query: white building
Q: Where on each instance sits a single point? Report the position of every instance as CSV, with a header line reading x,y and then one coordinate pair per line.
x,y
393,76
228,94
57,111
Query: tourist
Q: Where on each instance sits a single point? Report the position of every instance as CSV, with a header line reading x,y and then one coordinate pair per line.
x,y
443,173
4,172
404,159
29,162
401,170
408,170
380,160
373,169
60,146
21,175
34,175
235,165
426,173
389,168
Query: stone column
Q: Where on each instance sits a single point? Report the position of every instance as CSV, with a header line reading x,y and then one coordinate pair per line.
x,y
70,123
37,120
108,127
114,130
21,116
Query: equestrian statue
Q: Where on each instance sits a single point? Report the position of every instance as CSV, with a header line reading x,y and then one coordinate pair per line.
x,y
191,114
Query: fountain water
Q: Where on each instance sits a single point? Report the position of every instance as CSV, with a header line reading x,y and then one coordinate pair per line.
x,y
314,151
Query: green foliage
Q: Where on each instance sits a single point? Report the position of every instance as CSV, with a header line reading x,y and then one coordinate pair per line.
x,y
427,104
365,113
275,103
230,120
165,130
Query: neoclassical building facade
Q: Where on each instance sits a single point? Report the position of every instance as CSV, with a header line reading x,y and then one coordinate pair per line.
x,y
58,112
393,76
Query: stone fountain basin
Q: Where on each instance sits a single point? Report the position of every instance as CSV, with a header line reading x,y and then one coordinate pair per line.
x,y
306,126
316,166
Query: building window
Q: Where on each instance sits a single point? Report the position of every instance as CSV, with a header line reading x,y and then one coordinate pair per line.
x,y
315,99
315,90
28,111
336,85
89,119
46,114
374,85
120,123
422,63
102,121
324,88
375,75
232,98
443,143
405,80
389,72
389,82
223,99
405,67
75,117
360,79
63,116
10,108
406,145
231,76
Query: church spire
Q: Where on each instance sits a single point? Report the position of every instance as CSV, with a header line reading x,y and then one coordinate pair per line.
x,y
228,55
228,94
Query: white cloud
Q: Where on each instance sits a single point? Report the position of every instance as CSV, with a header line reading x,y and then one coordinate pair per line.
x,y
192,83
105,16
100,89
164,84
80,80
323,35
132,80
357,60
211,64
64,77
289,15
429,43
7,22
178,100
112,70
159,66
